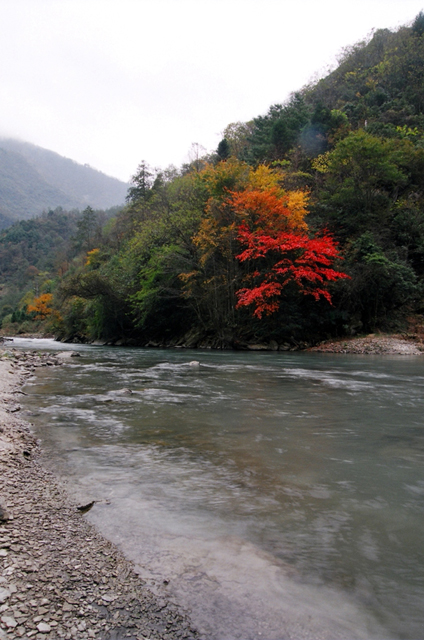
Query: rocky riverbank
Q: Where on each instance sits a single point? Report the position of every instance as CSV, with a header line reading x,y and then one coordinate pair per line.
x,y
59,578
374,344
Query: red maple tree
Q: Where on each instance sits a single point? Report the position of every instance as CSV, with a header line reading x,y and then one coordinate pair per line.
x,y
281,252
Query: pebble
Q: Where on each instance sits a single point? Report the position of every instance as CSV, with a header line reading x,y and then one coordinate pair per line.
x,y
9,622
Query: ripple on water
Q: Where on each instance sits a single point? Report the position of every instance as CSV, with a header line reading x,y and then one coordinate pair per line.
x,y
277,492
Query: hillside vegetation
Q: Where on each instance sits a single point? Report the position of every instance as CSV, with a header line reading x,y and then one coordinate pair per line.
x,y
23,193
307,222
33,180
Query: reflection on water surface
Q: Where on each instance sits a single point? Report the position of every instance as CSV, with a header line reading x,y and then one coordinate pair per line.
x,y
281,495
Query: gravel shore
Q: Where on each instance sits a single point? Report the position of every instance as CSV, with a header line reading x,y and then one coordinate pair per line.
x,y
374,344
59,578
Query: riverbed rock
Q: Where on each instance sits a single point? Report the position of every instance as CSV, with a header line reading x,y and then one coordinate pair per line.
x,y
86,507
64,355
4,594
258,347
9,622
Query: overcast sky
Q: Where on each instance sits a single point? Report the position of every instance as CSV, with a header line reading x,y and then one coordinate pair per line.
x,y
113,82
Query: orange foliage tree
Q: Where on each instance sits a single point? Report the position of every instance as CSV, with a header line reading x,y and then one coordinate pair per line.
x,y
40,306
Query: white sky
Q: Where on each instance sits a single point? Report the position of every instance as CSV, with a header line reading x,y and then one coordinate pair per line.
x,y
113,82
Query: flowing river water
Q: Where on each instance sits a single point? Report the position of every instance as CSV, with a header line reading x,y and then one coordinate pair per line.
x,y
273,495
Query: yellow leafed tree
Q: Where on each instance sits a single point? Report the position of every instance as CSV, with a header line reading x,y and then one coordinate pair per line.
x,y
40,306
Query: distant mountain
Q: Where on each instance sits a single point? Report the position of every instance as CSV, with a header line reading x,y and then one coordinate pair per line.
x,y
33,179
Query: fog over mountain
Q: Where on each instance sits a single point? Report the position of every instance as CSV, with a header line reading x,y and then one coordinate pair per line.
x,y
33,179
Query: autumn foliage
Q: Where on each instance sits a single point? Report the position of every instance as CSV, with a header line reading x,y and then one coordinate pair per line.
x,y
254,232
40,306
279,251
270,209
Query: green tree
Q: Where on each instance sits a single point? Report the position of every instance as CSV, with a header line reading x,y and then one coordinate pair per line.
x,y
381,283
279,130
223,149
418,24
363,176
88,233
142,182
237,135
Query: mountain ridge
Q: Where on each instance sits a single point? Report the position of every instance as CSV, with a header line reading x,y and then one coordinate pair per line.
x,y
33,179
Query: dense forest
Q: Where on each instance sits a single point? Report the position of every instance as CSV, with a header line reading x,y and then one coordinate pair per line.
x,y
306,222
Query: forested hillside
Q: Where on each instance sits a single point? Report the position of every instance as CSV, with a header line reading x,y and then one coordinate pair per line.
x,y
307,222
35,253
23,193
33,179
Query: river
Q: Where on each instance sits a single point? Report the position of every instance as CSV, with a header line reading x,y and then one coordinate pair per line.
x,y
274,495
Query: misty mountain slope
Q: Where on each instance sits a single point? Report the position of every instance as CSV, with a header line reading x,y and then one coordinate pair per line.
x,y
60,182
23,191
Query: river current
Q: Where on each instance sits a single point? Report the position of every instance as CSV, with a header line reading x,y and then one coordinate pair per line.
x,y
273,495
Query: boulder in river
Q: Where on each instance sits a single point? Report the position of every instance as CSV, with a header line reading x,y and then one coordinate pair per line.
x,y
68,354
